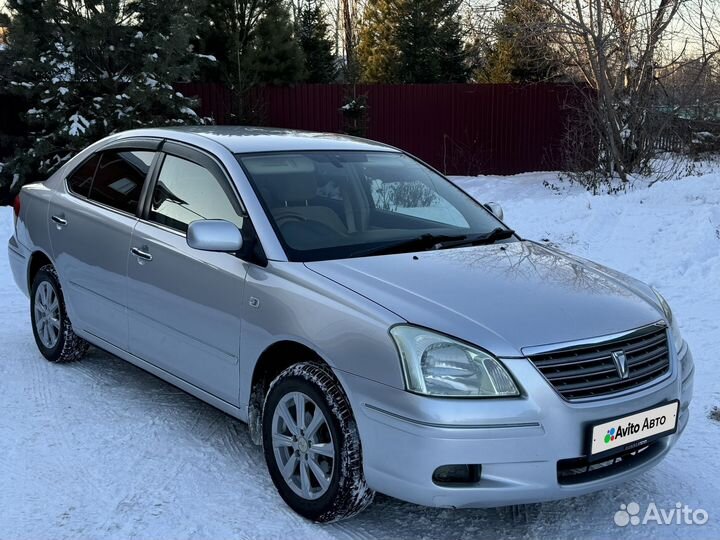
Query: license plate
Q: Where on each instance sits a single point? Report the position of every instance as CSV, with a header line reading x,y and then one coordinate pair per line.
x,y
633,431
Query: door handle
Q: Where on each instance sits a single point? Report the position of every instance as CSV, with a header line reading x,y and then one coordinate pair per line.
x,y
59,221
141,254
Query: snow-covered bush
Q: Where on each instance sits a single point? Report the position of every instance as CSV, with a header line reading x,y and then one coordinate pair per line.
x,y
355,113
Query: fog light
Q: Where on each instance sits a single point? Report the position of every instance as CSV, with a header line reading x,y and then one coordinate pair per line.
x,y
453,475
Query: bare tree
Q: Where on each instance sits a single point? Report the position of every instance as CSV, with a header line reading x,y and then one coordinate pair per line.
x,y
478,20
697,82
296,8
622,49
347,18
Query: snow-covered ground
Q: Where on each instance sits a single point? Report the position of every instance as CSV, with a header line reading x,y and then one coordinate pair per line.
x,y
102,449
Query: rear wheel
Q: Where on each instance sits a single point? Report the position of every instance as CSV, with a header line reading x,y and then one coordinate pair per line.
x,y
52,329
311,445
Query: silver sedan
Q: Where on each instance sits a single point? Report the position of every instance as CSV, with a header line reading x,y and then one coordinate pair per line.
x,y
377,328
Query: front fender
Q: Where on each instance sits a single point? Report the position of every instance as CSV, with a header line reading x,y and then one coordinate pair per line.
x,y
292,303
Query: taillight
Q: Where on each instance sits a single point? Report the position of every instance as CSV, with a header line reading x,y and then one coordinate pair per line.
x,y
16,206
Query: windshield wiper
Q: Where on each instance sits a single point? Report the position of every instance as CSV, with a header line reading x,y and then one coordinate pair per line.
x,y
419,243
477,240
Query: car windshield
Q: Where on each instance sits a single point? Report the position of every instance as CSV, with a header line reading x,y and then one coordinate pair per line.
x,y
340,204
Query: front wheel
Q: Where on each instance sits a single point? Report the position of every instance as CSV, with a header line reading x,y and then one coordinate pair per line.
x,y
311,444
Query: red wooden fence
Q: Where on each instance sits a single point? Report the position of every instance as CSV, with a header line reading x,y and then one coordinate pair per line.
x,y
457,128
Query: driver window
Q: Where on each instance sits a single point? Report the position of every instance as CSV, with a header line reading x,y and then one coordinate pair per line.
x,y
186,192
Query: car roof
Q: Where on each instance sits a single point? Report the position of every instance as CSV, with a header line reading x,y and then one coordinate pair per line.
x,y
244,139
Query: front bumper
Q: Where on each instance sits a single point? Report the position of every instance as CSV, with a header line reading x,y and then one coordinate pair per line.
x,y
518,442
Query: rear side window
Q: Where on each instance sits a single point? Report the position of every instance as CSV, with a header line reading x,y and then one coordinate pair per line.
x,y
119,178
81,180
186,192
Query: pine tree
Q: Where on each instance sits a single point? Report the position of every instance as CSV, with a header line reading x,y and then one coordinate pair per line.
x,y
379,53
275,56
225,31
88,72
522,52
412,41
317,47
215,38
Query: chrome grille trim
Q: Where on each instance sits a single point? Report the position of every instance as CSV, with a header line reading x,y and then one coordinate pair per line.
x,y
586,370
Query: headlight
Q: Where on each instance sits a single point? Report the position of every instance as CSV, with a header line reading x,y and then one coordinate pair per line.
x,y
436,365
674,328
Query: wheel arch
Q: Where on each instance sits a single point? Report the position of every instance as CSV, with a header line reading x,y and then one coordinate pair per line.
x,y
275,359
37,260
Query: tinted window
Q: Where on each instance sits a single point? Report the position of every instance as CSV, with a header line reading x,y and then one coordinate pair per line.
x,y
81,180
119,178
186,192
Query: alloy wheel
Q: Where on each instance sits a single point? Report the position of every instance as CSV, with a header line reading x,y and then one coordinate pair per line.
x,y
303,445
47,314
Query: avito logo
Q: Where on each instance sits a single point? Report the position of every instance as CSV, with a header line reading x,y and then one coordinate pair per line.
x,y
682,514
632,428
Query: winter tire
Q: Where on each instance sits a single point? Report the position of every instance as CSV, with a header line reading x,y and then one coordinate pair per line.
x,y
52,329
311,444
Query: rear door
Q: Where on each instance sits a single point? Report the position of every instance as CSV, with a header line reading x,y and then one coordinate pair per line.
x,y
185,305
91,223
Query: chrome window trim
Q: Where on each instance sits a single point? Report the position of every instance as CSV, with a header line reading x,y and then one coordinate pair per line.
x,y
163,227
92,202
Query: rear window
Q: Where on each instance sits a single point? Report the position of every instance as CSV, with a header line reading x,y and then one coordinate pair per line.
x,y
119,178
81,180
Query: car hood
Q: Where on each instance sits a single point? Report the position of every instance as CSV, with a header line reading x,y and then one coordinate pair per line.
x,y
502,297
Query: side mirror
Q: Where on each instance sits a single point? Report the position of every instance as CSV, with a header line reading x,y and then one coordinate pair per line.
x,y
495,209
214,235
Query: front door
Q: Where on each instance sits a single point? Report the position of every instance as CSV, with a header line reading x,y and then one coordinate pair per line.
x,y
184,305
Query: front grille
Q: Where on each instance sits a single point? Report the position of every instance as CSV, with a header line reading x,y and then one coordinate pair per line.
x,y
588,371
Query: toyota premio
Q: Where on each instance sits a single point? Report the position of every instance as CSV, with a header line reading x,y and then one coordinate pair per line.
x,y
377,328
